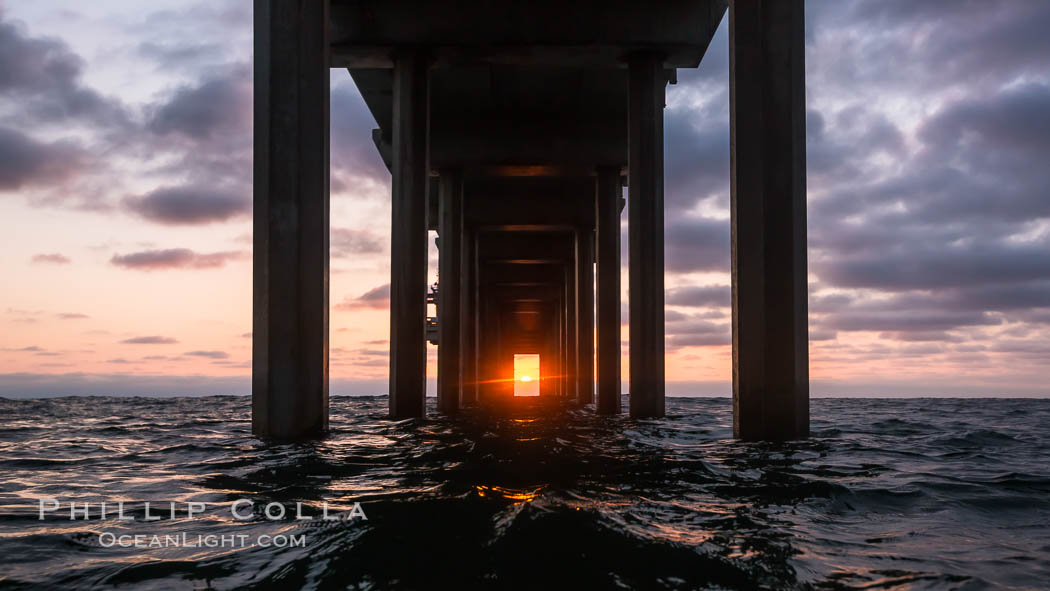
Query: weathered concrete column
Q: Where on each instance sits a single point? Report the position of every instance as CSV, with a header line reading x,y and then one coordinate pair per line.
x,y
563,358
645,212
468,317
488,342
450,260
408,235
585,289
768,209
486,347
607,215
572,327
549,363
290,275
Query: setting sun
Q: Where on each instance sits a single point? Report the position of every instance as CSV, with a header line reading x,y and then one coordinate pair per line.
x,y
526,375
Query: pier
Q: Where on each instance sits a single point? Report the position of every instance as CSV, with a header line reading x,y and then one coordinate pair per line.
x,y
514,130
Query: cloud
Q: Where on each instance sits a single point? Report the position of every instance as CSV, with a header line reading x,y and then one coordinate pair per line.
x,y
345,243
692,331
939,42
218,19
977,163
43,76
208,354
696,243
697,158
696,132
72,316
921,336
908,315
928,205
906,320
26,162
219,104
822,335
51,258
32,385
185,56
29,349
699,340
204,130
353,155
189,205
150,340
174,258
24,316
699,296
377,298
903,266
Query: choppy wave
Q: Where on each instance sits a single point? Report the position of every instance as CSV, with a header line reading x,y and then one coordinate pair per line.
x,y
887,494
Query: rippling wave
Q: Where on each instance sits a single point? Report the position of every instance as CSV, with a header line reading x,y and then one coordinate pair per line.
x,y
887,494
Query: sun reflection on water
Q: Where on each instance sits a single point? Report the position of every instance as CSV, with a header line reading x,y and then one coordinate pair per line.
x,y
519,495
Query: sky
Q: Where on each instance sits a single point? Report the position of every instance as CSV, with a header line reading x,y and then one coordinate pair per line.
x,y
125,203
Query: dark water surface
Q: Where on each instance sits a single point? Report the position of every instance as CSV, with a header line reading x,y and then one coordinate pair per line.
x,y
888,494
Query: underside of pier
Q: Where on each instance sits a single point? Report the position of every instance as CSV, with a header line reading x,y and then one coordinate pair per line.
x,y
514,131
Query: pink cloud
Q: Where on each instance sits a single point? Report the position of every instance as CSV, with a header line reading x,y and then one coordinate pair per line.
x,y
174,258
53,258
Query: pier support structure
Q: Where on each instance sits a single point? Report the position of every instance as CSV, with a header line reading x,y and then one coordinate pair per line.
x,y
608,193
290,254
768,210
450,265
468,314
572,325
408,234
645,227
585,314
530,122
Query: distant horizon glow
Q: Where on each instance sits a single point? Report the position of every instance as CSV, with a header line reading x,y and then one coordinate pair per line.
x,y
526,365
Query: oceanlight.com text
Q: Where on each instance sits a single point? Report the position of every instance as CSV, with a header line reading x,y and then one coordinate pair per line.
x,y
187,540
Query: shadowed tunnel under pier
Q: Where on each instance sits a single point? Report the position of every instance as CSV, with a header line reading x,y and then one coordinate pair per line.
x,y
512,129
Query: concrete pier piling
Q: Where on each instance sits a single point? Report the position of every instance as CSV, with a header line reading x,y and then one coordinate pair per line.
x,y
290,244
585,301
450,235
768,213
645,232
519,124
607,216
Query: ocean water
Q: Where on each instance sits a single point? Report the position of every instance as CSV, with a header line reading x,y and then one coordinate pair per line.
x,y
887,494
